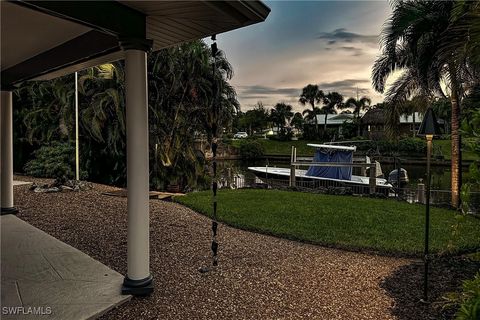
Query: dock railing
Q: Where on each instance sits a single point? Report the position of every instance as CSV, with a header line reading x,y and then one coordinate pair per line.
x,y
294,164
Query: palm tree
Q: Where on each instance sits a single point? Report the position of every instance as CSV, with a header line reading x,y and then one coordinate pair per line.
x,y
187,98
281,113
357,106
415,104
297,121
46,109
103,113
443,110
417,39
311,95
331,101
311,114
50,116
463,36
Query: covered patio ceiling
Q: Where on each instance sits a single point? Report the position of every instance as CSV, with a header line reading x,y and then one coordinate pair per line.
x,y
47,39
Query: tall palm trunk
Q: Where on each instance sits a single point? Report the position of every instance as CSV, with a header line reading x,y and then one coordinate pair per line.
x,y
456,165
456,151
414,132
358,124
315,117
325,126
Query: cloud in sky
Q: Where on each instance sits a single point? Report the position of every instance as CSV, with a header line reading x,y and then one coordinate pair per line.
x,y
290,95
343,35
262,90
268,95
347,85
329,43
354,50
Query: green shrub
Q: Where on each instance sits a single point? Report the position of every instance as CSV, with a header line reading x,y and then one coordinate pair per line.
x,y
412,145
330,135
285,134
55,160
251,149
467,301
470,186
406,146
349,130
310,133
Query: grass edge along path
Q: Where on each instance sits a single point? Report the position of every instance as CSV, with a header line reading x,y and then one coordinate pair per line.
x,y
354,223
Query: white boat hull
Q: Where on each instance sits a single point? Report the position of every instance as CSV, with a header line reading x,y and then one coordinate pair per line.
x,y
300,175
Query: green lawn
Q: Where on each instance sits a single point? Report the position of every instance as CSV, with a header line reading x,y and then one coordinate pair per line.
x,y
285,147
273,147
348,222
446,146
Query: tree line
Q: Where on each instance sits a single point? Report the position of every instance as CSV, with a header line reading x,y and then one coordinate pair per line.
x,y
259,118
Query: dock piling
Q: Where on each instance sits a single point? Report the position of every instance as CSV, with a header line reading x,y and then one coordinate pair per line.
x,y
373,178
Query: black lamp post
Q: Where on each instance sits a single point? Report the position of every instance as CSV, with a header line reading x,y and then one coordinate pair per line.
x,y
428,129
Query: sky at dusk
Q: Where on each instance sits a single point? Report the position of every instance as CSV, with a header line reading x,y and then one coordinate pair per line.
x,y
329,43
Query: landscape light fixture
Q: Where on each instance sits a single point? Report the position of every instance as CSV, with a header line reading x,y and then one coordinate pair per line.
x,y
428,129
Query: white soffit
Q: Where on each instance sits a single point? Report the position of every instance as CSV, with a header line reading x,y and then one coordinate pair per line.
x,y
31,32
170,23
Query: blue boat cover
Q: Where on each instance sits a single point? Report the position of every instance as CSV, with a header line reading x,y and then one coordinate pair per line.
x,y
332,155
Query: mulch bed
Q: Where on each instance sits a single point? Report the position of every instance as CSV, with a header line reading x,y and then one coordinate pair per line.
x,y
258,277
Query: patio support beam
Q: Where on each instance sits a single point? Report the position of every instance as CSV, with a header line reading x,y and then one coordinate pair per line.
x,y
6,153
138,280
82,48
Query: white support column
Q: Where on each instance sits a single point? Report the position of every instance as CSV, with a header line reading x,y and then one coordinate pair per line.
x,y
6,153
138,280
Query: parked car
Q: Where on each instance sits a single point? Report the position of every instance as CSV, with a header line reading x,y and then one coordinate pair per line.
x,y
240,135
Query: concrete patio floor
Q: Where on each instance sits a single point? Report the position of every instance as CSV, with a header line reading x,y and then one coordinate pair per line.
x,y
20,183
42,274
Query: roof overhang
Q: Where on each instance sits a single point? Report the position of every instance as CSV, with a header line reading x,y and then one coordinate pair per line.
x,y
47,39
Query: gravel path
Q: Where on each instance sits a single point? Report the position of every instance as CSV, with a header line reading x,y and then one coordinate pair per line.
x,y
259,277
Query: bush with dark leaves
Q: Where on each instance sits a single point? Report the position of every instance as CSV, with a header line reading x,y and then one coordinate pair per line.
x,y
55,160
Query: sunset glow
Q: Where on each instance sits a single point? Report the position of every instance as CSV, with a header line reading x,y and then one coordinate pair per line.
x,y
329,43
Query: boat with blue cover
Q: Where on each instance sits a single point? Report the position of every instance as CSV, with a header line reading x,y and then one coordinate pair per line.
x,y
320,174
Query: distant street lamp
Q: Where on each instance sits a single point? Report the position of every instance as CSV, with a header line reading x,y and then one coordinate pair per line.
x,y
428,129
